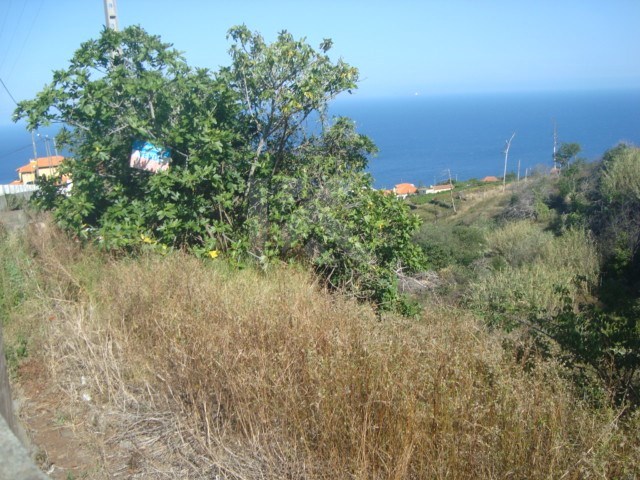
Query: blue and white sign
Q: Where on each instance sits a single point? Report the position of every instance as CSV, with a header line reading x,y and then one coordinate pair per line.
x,y
149,157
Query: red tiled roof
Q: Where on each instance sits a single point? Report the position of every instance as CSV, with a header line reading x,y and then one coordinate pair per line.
x,y
490,178
442,187
41,162
52,161
28,168
16,182
405,188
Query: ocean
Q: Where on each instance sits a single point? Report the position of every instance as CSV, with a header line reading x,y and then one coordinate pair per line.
x,y
16,148
422,138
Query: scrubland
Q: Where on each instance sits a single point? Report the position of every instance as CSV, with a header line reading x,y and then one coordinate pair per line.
x,y
192,369
232,316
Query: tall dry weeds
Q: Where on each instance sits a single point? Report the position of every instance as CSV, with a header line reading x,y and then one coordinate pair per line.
x,y
244,374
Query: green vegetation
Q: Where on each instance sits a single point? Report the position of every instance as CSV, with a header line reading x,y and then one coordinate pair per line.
x,y
558,264
523,358
566,153
246,179
262,375
194,291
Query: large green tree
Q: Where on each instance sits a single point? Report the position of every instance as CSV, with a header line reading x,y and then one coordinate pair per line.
x,y
128,86
246,178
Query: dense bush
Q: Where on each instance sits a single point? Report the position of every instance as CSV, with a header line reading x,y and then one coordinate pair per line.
x,y
528,267
578,286
446,245
246,179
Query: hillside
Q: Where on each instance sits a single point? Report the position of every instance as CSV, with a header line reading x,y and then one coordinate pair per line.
x,y
222,294
170,366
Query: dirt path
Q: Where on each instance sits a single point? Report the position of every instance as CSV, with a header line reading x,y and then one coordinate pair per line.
x,y
66,446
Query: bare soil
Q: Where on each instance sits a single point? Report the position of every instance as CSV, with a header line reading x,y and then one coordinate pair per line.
x,y
65,446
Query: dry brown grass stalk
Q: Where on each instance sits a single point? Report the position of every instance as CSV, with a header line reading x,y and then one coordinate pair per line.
x,y
207,372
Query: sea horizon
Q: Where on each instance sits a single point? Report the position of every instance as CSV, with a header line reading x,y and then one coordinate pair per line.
x,y
423,137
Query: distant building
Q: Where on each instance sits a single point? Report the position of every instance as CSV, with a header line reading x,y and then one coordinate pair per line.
x,y
490,179
402,190
40,167
435,189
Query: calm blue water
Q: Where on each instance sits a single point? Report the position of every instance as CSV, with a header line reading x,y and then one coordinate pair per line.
x,y
16,148
420,138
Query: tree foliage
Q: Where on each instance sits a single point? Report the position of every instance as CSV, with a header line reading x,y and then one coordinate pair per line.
x,y
605,333
280,85
247,177
129,85
566,153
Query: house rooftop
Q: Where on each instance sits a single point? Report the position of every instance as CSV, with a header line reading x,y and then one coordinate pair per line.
x,y
41,162
28,168
52,161
490,178
405,188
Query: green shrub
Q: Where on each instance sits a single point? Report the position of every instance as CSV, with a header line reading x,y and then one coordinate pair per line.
x,y
519,243
621,175
445,244
532,264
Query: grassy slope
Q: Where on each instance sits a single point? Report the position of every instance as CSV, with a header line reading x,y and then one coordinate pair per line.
x,y
472,204
243,374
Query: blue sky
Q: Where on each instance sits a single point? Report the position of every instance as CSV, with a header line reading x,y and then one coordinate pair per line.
x,y
401,47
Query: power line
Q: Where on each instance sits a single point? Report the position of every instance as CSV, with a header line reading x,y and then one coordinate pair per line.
x,y
13,35
4,20
26,38
8,154
5,87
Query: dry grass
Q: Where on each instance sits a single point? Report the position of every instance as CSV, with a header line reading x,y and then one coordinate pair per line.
x,y
204,371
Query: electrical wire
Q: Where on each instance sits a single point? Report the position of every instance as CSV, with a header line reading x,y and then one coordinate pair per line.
x,y
24,42
13,35
7,90
8,154
4,20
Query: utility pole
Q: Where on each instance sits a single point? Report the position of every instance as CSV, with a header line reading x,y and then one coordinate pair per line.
x,y
506,155
518,170
45,140
111,14
55,148
453,204
555,143
33,143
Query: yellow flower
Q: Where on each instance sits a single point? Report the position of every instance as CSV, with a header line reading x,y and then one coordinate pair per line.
x,y
214,253
146,238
